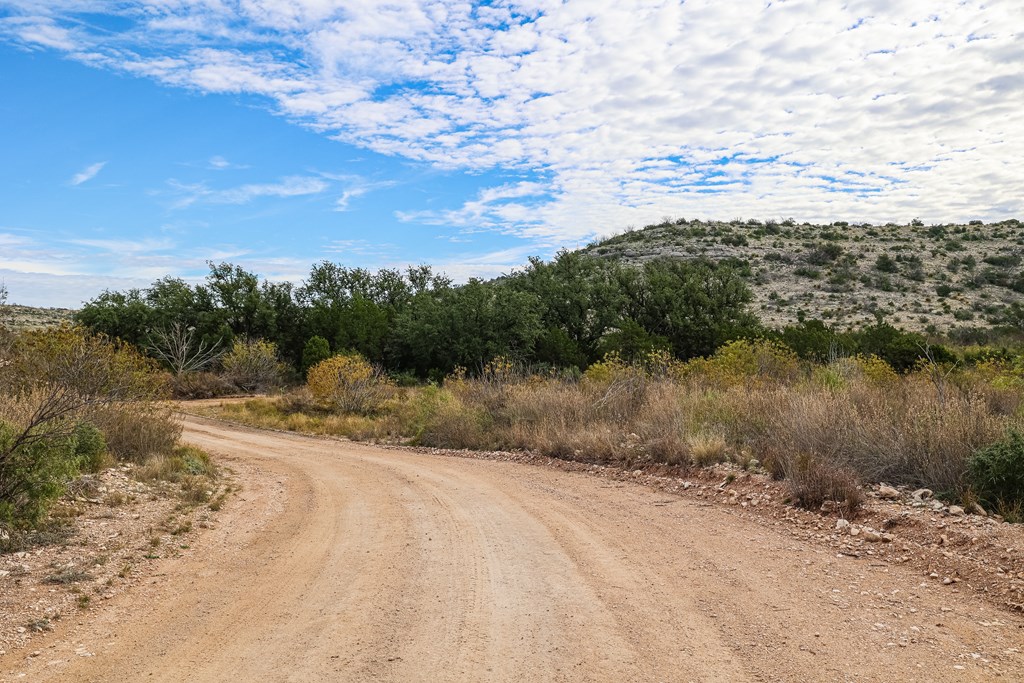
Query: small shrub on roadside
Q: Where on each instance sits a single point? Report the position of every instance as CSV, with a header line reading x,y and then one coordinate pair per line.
x,y
91,448
349,383
708,449
34,474
812,482
135,432
997,472
253,366
197,385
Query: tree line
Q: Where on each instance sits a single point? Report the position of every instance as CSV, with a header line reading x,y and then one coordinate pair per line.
x,y
566,313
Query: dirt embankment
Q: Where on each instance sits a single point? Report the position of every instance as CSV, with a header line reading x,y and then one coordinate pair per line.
x,y
346,562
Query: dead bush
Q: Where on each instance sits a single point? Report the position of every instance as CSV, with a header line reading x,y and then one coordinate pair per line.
x,y
812,482
197,385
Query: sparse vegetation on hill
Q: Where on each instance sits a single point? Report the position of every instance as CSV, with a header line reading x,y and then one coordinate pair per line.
x,y
923,278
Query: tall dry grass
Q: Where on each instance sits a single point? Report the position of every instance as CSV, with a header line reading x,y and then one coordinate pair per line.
x,y
821,427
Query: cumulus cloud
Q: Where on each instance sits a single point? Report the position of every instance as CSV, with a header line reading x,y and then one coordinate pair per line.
x,y
87,173
622,112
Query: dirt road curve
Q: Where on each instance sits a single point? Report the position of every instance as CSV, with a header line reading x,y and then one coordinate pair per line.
x,y
341,562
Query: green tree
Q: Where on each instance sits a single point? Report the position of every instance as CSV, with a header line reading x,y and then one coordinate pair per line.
x,y
696,305
316,350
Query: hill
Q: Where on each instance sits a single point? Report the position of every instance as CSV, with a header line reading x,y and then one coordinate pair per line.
x,y
928,278
27,317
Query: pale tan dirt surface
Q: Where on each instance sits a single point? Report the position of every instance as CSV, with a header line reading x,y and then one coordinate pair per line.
x,y
344,562
108,534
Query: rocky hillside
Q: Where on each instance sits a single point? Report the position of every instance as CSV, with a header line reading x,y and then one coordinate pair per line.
x,y
27,317
918,277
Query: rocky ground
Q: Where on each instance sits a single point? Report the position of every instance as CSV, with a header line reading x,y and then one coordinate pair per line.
x,y
108,535
919,277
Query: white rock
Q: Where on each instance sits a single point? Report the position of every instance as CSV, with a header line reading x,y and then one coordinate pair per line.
x,y
922,494
842,525
956,510
888,492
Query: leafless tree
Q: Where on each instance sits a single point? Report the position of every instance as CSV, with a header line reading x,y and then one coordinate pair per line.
x,y
178,348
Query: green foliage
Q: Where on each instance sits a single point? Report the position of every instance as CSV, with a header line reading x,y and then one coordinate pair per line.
x,y
90,447
902,350
886,264
814,340
316,349
631,342
35,473
997,472
696,305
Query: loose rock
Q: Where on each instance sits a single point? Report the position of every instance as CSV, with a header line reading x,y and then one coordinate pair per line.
x,y
888,492
922,494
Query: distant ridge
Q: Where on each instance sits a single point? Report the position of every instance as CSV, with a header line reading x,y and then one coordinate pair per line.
x,y
926,278
26,317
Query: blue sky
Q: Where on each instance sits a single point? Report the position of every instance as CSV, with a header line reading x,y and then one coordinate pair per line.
x,y
141,139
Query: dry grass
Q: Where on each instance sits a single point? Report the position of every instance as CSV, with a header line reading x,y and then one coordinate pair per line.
x,y
135,431
708,449
187,471
824,429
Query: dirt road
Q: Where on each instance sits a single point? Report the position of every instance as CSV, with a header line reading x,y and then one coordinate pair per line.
x,y
341,562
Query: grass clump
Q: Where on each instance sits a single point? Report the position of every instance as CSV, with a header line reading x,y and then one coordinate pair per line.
x,y
708,449
187,470
68,576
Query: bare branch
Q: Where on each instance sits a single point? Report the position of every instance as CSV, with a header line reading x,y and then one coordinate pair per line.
x,y
176,346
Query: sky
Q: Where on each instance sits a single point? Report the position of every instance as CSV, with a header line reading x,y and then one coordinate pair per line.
x,y
144,139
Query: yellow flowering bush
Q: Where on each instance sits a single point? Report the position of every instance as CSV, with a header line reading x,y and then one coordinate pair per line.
x,y
349,383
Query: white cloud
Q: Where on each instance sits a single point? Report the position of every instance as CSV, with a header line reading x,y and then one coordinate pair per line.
x,y
87,173
290,186
629,111
219,163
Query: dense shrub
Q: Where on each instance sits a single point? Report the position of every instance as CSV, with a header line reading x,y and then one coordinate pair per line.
x,y
67,397
34,472
253,365
195,385
349,383
317,349
997,472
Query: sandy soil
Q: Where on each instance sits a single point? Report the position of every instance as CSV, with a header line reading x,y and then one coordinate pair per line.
x,y
344,562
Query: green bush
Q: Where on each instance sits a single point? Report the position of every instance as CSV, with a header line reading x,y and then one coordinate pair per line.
x,y
90,447
316,350
35,472
997,472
